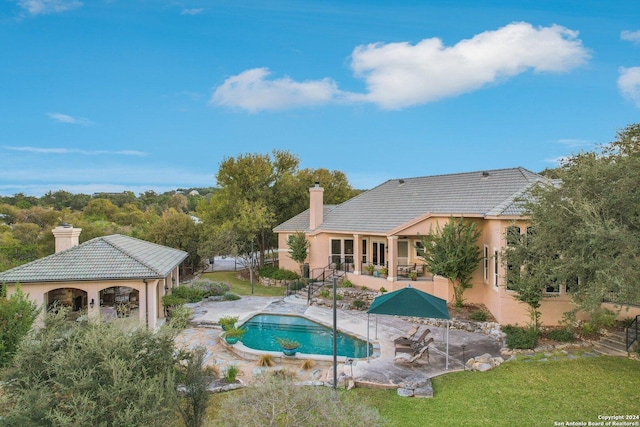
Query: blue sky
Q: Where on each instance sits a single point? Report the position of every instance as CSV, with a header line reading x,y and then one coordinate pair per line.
x,y
113,95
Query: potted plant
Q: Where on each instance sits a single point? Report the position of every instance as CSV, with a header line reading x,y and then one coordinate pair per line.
x,y
289,347
228,322
233,335
383,271
413,275
370,268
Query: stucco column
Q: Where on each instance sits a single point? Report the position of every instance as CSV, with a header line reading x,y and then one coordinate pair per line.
x,y
357,254
142,304
392,244
152,304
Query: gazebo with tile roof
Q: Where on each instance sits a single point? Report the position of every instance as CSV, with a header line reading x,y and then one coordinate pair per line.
x,y
114,261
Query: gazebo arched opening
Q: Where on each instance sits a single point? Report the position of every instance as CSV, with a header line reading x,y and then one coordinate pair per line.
x,y
119,301
73,299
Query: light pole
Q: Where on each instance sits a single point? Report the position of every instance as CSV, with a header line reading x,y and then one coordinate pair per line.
x,y
335,338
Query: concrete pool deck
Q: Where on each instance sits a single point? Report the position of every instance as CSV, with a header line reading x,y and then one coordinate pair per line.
x,y
381,371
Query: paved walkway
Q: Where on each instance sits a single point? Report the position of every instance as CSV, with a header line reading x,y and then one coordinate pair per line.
x,y
380,371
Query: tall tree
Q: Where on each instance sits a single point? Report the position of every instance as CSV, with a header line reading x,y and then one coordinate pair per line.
x,y
244,210
452,252
298,249
591,221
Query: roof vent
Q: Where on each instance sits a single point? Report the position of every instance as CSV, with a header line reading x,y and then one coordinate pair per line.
x,y
485,174
401,181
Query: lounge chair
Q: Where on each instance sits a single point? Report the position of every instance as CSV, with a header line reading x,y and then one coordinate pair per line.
x,y
408,335
413,345
408,358
415,340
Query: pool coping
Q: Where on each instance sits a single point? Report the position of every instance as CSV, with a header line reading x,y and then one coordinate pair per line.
x,y
253,354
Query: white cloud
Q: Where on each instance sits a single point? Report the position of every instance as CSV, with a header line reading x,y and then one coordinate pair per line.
x,y
192,11
38,150
631,36
64,118
399,75
558,161
629,84
574,142
43,7
250,90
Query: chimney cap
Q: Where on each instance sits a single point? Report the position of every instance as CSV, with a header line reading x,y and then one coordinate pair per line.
x,y
65,225
316,184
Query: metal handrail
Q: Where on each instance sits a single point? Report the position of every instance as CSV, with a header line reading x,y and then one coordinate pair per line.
x,y
632,333
326,275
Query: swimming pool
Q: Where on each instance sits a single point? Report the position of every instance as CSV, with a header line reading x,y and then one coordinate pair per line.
x,y
263,330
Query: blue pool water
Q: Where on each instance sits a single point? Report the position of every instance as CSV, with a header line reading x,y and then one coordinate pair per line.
x,y
314,338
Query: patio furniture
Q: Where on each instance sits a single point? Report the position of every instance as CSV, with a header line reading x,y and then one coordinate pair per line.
x,y
414,344
408,358
408,335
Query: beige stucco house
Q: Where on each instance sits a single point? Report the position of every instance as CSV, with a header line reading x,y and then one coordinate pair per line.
x,y
380,228
102,277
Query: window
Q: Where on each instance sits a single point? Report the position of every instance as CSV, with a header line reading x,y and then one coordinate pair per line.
x,y
513,235
364,251
419,248
336,251
485,264
378,253
374,259
348,251
496,266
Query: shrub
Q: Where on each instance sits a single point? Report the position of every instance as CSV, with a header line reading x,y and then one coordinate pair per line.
x,y
520,338
195,379
179,318
296,285
211,288
339,297
358,304
262,404
230,296
478,316
561,335
265,360
231,373
228,322
17,314
267,271
627,322
283,274
94,374
347,283
188,293
172,300
324,293
235,332
307,364
382,290
364,288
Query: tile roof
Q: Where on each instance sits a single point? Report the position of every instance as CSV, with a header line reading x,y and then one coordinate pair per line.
x,y
104,258
399,201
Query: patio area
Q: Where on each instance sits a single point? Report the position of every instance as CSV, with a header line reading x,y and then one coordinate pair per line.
x,y
380,371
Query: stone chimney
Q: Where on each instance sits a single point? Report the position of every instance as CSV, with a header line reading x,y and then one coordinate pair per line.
x,y
66,236
316,207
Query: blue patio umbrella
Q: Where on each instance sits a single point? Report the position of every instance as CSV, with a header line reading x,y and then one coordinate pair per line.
x,y
413,303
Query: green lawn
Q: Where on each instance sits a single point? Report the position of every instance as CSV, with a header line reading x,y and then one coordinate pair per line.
x,y
243,287
520,393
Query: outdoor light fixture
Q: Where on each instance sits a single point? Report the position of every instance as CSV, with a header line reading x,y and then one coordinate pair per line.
x,y
173,280
92,303
166,288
